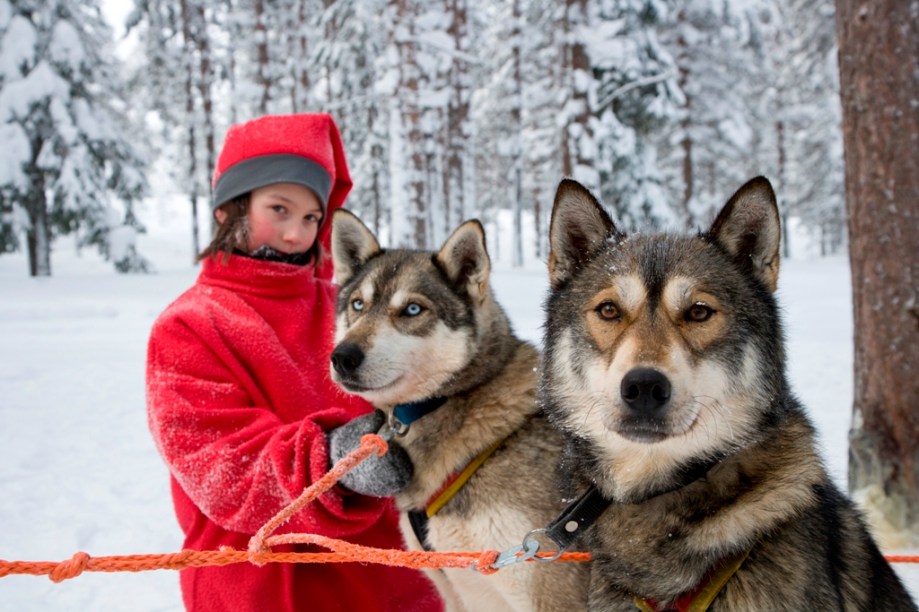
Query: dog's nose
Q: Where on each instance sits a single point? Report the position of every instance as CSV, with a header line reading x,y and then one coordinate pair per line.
x,y
347,358
645,390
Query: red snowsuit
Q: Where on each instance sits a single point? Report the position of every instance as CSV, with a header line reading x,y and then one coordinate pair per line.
x,y
239,401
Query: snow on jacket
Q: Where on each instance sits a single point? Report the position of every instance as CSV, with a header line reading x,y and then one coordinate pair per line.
x,y
239,401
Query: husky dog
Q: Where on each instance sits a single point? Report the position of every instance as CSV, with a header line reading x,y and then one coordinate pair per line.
x,y
422,330
664,367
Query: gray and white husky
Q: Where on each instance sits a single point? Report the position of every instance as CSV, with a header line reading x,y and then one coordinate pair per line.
x,y
421,331
664,367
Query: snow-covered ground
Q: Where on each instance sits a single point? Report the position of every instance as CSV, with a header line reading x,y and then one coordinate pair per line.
x,y
80,472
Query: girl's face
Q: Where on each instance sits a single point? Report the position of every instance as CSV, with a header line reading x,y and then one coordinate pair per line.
x,y
284,217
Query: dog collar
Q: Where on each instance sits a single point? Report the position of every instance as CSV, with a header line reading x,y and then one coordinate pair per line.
x,y
406,414
700,598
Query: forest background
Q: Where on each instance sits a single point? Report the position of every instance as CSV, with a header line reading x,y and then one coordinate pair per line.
x,y
450,109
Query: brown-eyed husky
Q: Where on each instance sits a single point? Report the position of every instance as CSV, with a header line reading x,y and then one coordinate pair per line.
x,y
664,367
420,335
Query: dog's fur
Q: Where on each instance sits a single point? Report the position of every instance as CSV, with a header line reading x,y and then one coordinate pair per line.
x,y
664,367
455,342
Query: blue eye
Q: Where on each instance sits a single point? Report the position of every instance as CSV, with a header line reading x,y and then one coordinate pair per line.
x,y
412,310
357,305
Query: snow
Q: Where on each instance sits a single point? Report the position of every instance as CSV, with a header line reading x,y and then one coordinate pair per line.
x,y
80,469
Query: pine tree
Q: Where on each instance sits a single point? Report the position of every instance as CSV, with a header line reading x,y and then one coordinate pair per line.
x,y
631,93
711,147
68,150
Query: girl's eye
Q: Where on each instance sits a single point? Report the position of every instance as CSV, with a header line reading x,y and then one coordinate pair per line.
x,y
412,310
357,305
279,208
699,313
312,218
608,311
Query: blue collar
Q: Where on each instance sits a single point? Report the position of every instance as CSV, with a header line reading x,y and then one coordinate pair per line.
x,y
406,414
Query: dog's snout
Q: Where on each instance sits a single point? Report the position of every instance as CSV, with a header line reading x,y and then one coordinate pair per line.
x,y
645,390
347,358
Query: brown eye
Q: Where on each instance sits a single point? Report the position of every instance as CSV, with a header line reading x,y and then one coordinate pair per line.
x,y
699,313
608,311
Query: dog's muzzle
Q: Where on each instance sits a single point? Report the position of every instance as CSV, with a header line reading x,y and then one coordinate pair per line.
x,y
346,359
645,392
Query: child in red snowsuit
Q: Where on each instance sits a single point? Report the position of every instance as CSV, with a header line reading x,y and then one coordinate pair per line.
x,y
239,398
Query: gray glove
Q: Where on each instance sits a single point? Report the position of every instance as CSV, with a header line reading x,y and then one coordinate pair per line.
x,y
376,476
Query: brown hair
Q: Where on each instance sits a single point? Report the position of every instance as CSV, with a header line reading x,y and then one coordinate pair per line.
x,y
233,233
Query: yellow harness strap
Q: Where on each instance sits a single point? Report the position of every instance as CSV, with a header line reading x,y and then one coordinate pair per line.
x,y
457,480
699,599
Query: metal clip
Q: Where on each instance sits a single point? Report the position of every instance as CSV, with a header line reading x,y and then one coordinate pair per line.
x,y
386,432
531,537
516,554
398,427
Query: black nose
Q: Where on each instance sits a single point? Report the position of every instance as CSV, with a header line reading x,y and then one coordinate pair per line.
x,y
347,358
645,390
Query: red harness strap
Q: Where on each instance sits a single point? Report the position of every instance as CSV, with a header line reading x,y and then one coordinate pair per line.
x,y
701,597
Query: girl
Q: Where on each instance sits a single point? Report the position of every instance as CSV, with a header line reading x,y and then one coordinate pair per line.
x,y
238,393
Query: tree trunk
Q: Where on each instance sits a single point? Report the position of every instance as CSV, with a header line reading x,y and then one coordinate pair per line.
x,y
37,237
412,135
516,127
205,87
878,62
459,131
301,76
578,145
261,44
189,44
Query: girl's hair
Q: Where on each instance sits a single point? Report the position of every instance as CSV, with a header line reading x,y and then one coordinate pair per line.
x,y
233,234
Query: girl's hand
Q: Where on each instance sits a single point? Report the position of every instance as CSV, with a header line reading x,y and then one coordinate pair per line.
x,y
375,476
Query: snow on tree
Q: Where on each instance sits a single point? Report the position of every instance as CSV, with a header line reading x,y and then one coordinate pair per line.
x,y
811,170
455,108
68,160
347,63
629,85
710,149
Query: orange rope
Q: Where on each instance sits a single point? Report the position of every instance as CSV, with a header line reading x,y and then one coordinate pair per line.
x,y
259,551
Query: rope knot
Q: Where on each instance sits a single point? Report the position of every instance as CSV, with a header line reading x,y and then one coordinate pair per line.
x,y
484,563
71,568
376,443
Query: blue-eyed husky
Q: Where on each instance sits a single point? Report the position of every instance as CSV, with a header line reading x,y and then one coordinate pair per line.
x,y
664,367
420,335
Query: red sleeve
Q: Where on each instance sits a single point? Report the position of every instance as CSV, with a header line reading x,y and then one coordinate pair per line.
x,y
239,462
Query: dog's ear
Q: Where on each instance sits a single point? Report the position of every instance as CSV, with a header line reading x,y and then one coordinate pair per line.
x,y
579,225
352,245
465,260
748,227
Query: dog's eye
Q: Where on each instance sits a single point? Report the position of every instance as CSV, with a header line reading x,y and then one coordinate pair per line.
x,y
608,311
357,305
412,310
699,313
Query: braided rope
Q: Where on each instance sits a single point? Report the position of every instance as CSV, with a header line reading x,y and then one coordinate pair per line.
x,y
259,550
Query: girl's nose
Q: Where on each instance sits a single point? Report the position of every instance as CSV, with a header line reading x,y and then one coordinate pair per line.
x,y
295,234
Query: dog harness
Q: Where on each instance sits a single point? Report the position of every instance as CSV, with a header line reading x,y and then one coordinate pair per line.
x,y
419,518
700,598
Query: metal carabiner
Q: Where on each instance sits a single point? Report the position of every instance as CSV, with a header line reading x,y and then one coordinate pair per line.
x,y
517,554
